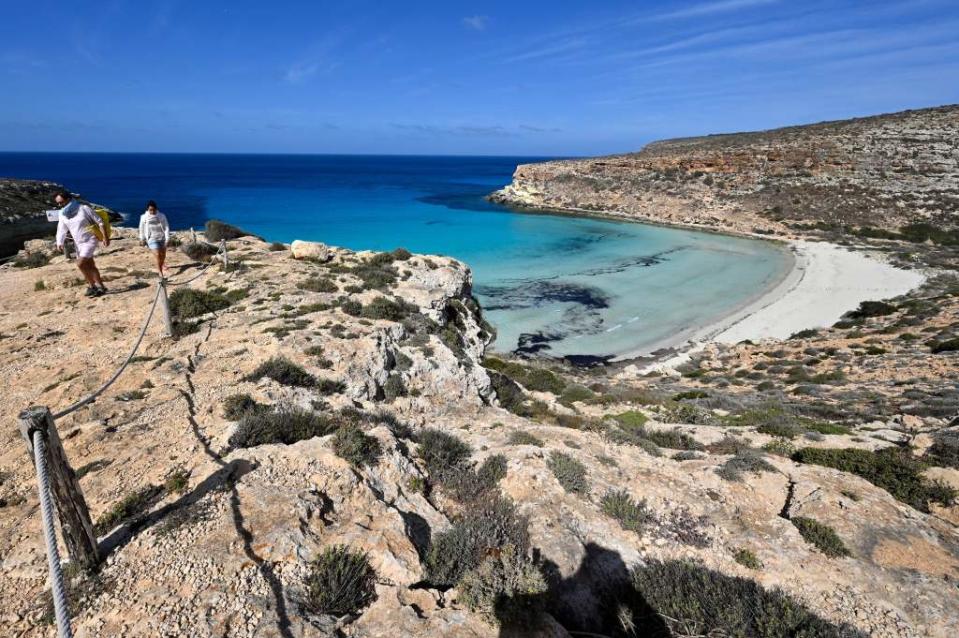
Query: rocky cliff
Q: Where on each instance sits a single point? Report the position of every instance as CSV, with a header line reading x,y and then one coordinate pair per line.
x,y
885,172
23,206
323,450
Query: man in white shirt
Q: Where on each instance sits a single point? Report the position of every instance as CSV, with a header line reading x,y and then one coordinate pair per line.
x,y
78,219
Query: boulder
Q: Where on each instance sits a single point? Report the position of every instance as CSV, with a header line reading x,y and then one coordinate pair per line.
x,y
310,250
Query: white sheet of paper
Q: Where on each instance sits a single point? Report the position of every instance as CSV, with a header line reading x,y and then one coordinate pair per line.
x,y
53,215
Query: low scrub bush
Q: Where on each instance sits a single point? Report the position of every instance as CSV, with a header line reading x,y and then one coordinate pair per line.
x,y
489,524
186,303
443,453
570,473
216,230
357,447
469,484
893,469
388,309
821,535
744,461
128,508
949,345
531,378
575,393
747,558
871,309
318,284
505,588
236,406
284,372
198,250
674,440
944,450
690,394
694,601
340,582
394,387
630,420
286,425
31,260
632,515
521,437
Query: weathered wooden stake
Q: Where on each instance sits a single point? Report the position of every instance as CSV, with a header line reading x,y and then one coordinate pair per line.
x,y
226,259
72,508
165,309
192,234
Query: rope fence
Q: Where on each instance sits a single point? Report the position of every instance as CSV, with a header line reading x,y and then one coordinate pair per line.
x,y
55,476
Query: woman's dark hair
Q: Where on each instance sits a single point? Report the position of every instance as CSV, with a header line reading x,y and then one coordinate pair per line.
x,y
152,204
64,193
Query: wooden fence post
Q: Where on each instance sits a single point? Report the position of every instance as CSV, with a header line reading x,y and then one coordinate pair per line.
x,y
192,235
165,309
72,509
226,259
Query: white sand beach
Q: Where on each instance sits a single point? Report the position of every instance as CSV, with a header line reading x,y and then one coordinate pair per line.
x,y
826,281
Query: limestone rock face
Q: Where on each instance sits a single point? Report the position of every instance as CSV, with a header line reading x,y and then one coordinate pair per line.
x,y
884,171
310,250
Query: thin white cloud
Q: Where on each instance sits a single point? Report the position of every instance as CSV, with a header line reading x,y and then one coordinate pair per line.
x,y
549,50
708,8
477,22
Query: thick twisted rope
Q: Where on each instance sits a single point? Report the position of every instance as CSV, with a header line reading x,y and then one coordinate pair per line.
x,y
89,399
60,607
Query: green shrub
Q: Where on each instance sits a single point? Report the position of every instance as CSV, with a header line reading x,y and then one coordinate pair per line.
x,y
401,254
531,378
318,284
691,394
31,260
351,307
357,447
388,309
804,334
39,285
340,582
821,535
744,461
893,469
286,425
186,303
949,345
277,246
443,453
695,601
129,508
747,558
673,439
284,372
783,429
630,420
944,450
236,406
780,447
505,588
871,309
570,473
521,437
198,250
575,393
177,482
632,515
394,387
469,484
489,524
215,230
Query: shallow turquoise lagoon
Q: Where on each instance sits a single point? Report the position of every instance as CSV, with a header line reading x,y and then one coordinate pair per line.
x,y
552,285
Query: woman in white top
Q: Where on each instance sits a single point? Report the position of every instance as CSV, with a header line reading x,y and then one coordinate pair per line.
x,y
155,233
78,219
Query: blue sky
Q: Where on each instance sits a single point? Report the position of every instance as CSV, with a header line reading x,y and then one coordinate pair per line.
x,y
449,77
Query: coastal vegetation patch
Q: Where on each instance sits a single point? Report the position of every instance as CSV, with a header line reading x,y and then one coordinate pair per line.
x,y
893,469
284,372
695,601
340,582
823,537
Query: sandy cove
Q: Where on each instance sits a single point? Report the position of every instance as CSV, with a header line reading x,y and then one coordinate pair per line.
x,y
825,282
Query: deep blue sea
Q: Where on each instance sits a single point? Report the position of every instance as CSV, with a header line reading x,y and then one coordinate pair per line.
x,y
554,284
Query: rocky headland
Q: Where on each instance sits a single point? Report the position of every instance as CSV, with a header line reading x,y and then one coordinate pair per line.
x,y
326,448
23,206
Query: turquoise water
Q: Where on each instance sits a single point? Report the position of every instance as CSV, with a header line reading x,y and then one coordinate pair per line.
x,y
550,284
